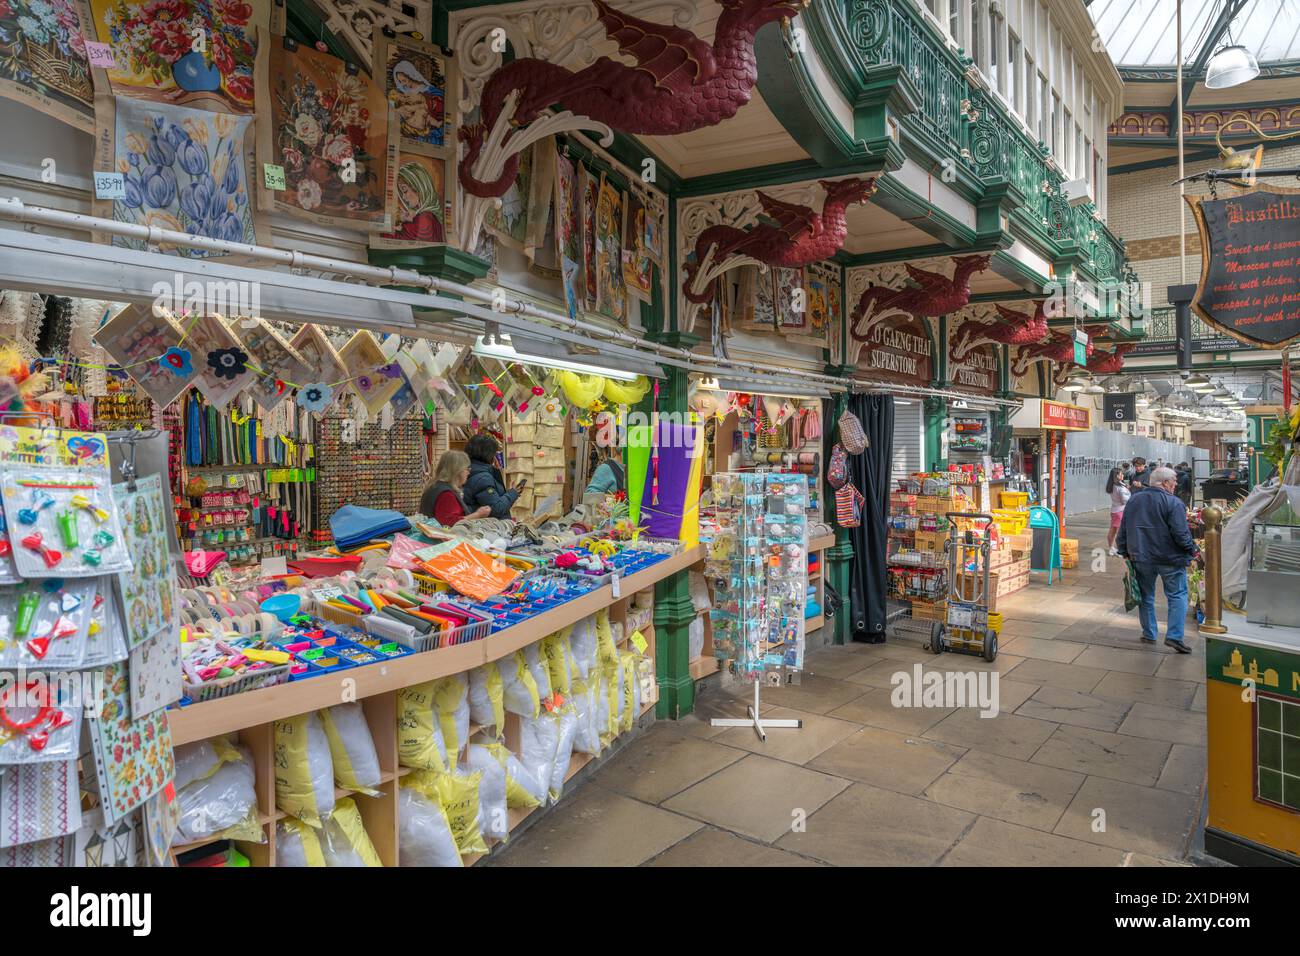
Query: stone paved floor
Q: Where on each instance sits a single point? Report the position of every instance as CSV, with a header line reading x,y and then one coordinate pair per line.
x,y
1096,758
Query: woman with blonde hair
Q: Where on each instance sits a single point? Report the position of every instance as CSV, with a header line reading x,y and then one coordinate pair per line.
x,y
442,499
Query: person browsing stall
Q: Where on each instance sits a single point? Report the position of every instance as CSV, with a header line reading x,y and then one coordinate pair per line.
x,y
609,478
442,499
1153,534
1141,476
1119,495
485,486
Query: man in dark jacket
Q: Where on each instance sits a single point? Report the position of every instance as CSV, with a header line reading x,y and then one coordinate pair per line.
x,y
1141,475
485,486
1155,537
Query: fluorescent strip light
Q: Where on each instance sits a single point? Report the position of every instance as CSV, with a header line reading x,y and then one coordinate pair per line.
x,y
503,350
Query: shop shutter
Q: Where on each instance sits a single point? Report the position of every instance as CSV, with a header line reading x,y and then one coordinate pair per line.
x,y
909,439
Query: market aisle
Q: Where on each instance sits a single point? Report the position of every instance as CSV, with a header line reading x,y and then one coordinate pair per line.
x,y
1090,720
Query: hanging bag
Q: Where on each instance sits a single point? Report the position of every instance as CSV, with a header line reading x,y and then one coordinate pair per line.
x,y
838,471
852,437
848,506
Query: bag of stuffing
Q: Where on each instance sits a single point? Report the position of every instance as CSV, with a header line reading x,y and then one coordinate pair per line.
x,y
519,689
304,773
568,726
459,797
419,731
352,749
222,799
486,700
628,677
200,760
541,676
451,699
344,841
582,642
560,666
587,738
297,844
423,833
606,652
538,742
523,790
606,712
494,819
695,638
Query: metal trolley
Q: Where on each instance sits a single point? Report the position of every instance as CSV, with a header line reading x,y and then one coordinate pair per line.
x,y
968,626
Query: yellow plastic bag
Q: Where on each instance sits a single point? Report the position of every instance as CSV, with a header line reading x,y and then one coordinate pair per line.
x,y
304,772
560,664
419,732
451,700
297,844
629,692
459,798
523,792
519,689
352,748
346,842
487,706
606,651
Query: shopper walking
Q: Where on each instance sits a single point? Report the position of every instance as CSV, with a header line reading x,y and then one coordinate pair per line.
x,y
485,486
442,499
1119,494
1153,534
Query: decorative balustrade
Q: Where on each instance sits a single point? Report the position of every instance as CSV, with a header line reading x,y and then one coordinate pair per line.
x,y
962,117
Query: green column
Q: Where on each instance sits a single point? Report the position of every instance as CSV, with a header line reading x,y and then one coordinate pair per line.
x,y
839,557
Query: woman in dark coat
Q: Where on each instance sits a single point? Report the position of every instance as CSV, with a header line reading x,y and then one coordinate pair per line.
x,y
486,487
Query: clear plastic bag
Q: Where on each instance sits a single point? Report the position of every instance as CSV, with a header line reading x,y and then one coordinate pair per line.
x,y
423,833
212,803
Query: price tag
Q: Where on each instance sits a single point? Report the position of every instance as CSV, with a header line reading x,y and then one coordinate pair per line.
x,y
109,185
273,176
639,642
100,55
615,586
324,594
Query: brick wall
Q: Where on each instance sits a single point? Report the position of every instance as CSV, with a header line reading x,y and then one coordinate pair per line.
x,y
1144,212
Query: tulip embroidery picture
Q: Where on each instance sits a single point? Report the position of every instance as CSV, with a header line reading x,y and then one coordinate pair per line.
x,y
184,170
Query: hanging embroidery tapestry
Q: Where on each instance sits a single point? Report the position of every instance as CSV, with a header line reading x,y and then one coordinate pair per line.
x,y
43,59
568,232
133,758
637,264
422,214
278,367
756,307
791,299
156,56
821,283
416,78
589,192
184,169
137,338
611,293
510,223
329,128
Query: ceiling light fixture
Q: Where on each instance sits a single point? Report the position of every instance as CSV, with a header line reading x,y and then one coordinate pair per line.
x,y
1231,66
504,350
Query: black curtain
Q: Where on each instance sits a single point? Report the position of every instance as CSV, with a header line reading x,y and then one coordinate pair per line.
x,y
870,474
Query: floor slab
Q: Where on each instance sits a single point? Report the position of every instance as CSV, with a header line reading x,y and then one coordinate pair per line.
x,y
1115,756
869,826
757,797
1007,789
665,761
875,708
998,843
1064,706
1045,649
710,846
597,827
1175,724
1184,770
1005,734
1140,819
1133,661
1056,674
887,759
1150,690
820,695
795,744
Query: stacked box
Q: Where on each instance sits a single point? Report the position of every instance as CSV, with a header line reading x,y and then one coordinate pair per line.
x,y
929,610
1022,543
930,540
1069,552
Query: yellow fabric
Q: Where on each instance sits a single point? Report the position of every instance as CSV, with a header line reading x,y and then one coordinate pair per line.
x,y
629,692
348,818
416,746
582,391
626,393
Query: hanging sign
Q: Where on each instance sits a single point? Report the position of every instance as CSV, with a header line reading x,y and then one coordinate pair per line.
x,y
899,350
1062,417
978,372
1250,265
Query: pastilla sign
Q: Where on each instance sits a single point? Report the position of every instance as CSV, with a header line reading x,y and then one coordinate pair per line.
x,y
1250,265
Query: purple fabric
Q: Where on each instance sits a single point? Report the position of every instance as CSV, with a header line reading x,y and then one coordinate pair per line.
x,y
675,444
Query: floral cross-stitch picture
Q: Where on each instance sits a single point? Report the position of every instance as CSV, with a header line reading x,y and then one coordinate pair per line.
x,y
43,59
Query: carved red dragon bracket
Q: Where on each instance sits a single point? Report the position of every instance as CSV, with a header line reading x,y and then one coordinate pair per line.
x,y
1011,327
1058,348
795,237
932,295
679,83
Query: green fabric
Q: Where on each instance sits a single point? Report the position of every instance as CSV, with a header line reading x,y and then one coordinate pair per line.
x,y
636,458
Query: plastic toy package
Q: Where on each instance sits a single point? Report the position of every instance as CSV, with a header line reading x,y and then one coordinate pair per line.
x,y
62,522
8,572
44,625
39,721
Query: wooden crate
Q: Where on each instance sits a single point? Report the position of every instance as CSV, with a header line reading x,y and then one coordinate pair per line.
x,y
929,610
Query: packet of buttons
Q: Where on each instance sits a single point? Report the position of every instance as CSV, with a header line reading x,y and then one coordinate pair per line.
x,y
63,523
44,624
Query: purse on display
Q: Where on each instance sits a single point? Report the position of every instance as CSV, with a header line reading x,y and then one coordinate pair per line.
x,y
837,473
852,437
848,506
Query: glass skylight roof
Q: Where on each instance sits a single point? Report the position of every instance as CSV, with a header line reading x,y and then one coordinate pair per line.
x,y
1140,33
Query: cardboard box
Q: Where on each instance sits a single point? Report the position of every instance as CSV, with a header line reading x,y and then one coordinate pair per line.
x,y
1022,543
929,610
1069,560
968,586
930,540
1069,546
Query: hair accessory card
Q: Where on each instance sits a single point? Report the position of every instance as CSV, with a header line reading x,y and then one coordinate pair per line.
x,y
40,722
64,522
46,624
